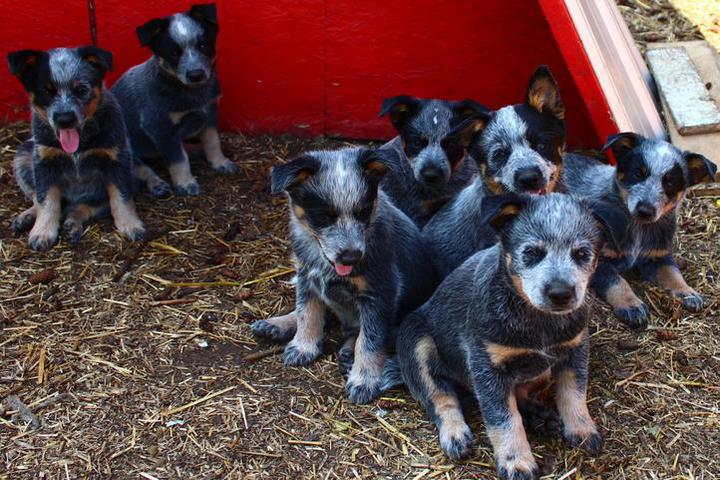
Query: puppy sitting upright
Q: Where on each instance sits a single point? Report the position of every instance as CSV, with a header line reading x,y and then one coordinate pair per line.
x,y
512,316
434,165
77,163
647,186
357,256
173,96
519,149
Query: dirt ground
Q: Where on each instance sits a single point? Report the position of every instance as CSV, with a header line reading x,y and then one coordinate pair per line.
x,y
136,361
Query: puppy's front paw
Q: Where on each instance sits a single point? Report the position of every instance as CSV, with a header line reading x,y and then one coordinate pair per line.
x,y
72,231
363,391
518,469
132,230
223,165
268,331
296,355
160,189
43,239
22,223
591,443
692,301
456,440
188,190
635,317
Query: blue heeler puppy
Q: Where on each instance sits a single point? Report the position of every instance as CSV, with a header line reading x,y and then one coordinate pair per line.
x,y
77,165
519,149
434,164
647,186
174,96
357,256
509,319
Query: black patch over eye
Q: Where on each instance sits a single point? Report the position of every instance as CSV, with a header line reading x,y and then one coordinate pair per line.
x,y
503,152
673,181
414,144
363,212
81,90
453,150
533,255
50,89
581,255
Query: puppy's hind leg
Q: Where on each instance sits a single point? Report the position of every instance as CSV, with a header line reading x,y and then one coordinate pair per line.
x,y
305,347
23,172
616,291
25,220
157,187
279,329
664,272
76,217
213,152
425,375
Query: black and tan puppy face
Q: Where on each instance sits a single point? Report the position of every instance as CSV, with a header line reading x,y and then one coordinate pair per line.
x,y
653,175
184,43
434,141
64,85
551,244
521,148
333,195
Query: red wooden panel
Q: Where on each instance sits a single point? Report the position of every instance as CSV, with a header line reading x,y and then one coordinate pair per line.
x,y
271,66
39,25
484,50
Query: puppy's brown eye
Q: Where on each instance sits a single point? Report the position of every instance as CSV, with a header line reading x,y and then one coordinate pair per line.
x,y
332,214
533,255
418,143
81,90
50,89
581,255
363,213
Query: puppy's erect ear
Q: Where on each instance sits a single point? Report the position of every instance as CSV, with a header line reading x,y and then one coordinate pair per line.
x,y
700,168
543,93
148,31
289,175
613,222
206,12
23,62
499,211
100,59
622,143
401,109
376,163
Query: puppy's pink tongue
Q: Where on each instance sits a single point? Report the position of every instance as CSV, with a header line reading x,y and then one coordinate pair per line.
x,y
343,270
69,139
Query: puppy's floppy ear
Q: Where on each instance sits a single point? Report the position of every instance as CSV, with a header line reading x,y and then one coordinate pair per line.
x,y
401,109
622,143
498,211
148,31
288,175
23,62
377,162
543,93
204,12
469,129
700,168
613,222
468,108
100,59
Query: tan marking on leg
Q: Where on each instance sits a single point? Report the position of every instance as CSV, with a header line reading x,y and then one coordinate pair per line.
x,y
670,279
510,444
213,151
622,296
30,212
525,390
368,365
180,172
148,176
284,322
572,406
501,354
310,323
176,117
359,282
47,221
656,253
124,214
110,153
45,152
574,342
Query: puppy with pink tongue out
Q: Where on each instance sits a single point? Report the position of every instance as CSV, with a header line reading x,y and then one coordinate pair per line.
x,y
359,259
77,166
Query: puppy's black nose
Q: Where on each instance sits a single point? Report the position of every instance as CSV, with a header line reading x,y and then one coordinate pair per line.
x,y
529,178
431,174
196,75
559,293
65,119
349,257
645,211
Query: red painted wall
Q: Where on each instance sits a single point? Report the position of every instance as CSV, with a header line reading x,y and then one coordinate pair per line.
x,y
322,66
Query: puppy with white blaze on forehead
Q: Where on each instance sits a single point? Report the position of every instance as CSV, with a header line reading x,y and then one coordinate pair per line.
x,y
174,96
504,323
518,148
647,187
77,165
358,257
